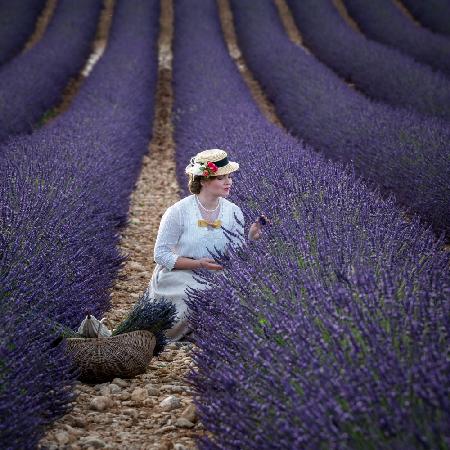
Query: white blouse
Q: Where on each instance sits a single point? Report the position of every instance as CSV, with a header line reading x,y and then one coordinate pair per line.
x,y
180,235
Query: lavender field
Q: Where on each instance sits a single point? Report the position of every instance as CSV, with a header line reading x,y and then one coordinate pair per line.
x,y
332,331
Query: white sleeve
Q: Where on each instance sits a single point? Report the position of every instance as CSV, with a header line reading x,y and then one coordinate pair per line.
x,y
169,233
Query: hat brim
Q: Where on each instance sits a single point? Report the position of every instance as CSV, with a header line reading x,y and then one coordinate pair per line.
x,y
230,167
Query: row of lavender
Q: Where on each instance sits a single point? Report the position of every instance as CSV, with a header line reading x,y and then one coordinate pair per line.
x,y
331,331
384,21
17,22
401,151
434,14
62,202
379,71
33,81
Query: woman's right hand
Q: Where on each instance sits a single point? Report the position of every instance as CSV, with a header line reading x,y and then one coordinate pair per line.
x,y
208,263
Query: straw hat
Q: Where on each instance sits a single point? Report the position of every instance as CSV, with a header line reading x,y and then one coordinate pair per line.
x,y
211,162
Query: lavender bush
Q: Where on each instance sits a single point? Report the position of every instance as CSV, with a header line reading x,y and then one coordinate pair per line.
x,y
33,82
62,203
384,22
381,72
434,14
402,152
330,332
17,23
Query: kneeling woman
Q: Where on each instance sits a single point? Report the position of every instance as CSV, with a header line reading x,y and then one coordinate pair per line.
x,y
190,227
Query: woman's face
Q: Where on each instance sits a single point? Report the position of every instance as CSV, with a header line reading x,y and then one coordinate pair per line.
x,y
219,185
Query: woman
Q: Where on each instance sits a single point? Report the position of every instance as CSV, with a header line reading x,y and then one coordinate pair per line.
x,y
190,227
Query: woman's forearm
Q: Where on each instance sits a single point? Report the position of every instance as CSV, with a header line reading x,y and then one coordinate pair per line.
x,y
186,263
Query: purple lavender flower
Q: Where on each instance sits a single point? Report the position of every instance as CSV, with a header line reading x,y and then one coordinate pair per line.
x,y
332,330
381,72
434,14
64,195
18,20
405,154
386,23
33,82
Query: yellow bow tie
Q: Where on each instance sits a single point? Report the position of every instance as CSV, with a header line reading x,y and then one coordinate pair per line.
x,y
204,223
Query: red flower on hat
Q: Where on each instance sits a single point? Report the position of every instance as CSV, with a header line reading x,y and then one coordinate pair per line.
x,y
209,168
213,167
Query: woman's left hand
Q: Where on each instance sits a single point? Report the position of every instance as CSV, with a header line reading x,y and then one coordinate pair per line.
x,y
255,231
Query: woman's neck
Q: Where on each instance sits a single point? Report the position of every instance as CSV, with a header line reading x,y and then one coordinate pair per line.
x,y
209,201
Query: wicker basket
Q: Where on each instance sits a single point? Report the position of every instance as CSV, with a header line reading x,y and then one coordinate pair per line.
x,y
102,359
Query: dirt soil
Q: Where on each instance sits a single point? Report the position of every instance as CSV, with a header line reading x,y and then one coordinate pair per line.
x,y
339,5
229,33
41,24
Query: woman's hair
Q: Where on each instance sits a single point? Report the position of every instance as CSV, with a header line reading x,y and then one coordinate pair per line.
x,y
194,184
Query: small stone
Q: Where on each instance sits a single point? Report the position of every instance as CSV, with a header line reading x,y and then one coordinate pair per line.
x,y
152,392
62,437
148,402
164,429
136,266
114,388
190,413
100,403
73,431
124,435
151,389
98,387
131,412
92,441
181,422
125,396
105,390
164,446
121,383
139,395
173,388
79,422
74,446
51,446
170,403
179,447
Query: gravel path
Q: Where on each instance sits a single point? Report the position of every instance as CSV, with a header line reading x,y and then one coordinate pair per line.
x,y
229,33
